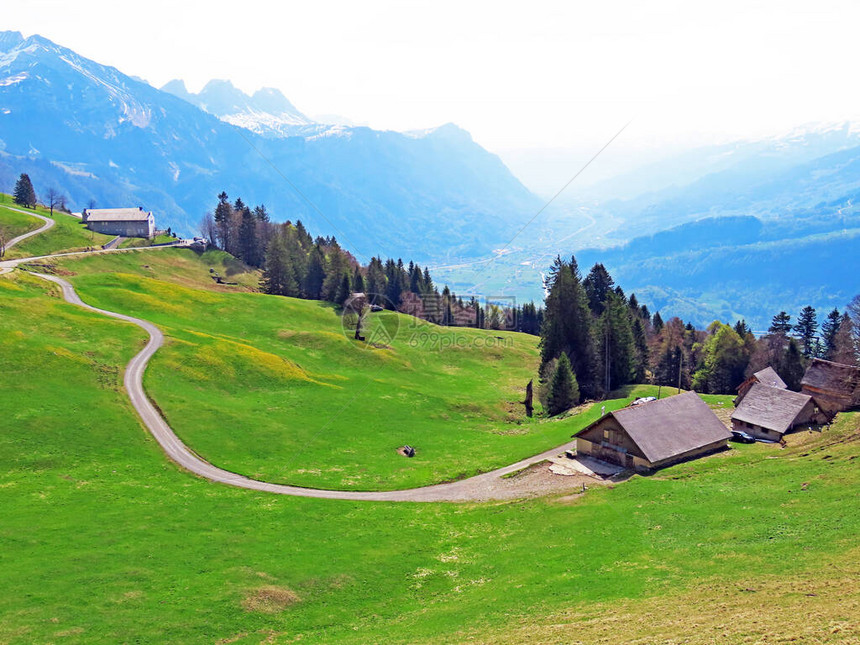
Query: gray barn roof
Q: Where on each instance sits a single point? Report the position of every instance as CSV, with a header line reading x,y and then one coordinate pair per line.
x,y
771,407
117,215
832,377
768,376
670,427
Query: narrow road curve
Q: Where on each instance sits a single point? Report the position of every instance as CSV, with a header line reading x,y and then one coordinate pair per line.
x,y
49,223
478,488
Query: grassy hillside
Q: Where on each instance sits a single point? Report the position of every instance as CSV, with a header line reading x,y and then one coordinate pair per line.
x,y
13,223
273,388
103,540
68,234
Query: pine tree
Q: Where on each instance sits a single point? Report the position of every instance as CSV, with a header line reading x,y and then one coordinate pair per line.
x,y
224,223
278,277
806,329
315,274
564,390
343,291
598,285
792,367
358,285
24,193
640,343
829,329
249,242
657,322
567,326
780,324
617,346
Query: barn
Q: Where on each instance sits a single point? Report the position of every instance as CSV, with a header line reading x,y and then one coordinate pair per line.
x,y
127,222
834,386
770,412
767,376
656,434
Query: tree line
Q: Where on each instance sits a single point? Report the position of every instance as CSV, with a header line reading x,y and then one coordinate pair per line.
x,y
297,265
595,339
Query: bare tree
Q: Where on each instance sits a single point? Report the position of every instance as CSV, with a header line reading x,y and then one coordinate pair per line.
x,y
208,228
2,242
54,198
854,313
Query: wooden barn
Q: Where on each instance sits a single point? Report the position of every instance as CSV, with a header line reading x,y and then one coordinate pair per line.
x,y
770,412
767,376
834,386
655,434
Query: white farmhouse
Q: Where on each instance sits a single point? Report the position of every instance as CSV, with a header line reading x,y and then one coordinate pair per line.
x,y
127,222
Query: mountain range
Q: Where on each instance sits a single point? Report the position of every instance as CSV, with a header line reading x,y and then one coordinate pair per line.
x,y
102,136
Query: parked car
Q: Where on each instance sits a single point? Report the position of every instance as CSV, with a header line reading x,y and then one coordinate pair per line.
x,y
375,308
742,437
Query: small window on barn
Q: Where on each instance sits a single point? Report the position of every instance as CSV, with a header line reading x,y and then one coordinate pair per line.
x,y
606,435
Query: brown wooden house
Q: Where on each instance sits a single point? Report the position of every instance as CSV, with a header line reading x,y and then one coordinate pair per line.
x,y
834,386
655,434
767,376
770,412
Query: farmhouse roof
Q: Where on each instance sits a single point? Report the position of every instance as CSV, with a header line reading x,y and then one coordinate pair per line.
x,y
771,407
670,427
828,376
768,376
117,215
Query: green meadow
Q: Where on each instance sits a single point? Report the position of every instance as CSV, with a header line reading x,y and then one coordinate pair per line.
x,y
67,234
13,223
104,540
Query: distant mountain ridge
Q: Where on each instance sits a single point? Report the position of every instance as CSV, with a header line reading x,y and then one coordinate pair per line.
x,y
267,112
98,134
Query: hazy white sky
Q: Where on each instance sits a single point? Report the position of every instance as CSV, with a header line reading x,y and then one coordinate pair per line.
x,y
516,75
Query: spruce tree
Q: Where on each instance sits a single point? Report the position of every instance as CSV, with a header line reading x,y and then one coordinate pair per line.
x,y
277,274
657,322
640,342
343,290
780,324
358,285
564,390
567,326
792,368
829,329
24,193
249,248
598,284
806,329
617,348
315,274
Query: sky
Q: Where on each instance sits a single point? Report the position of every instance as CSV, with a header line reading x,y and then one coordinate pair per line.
x,y
524,77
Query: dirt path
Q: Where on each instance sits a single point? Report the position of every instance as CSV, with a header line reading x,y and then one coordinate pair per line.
x,y
48,223
534,480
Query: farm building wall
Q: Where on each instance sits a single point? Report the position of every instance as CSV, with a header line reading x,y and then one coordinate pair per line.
x,y
137,228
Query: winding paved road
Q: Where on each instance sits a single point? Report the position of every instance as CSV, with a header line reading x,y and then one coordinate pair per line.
x,y
48,223
481,487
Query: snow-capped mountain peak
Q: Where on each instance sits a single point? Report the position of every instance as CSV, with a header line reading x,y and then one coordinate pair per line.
x,y
267,112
